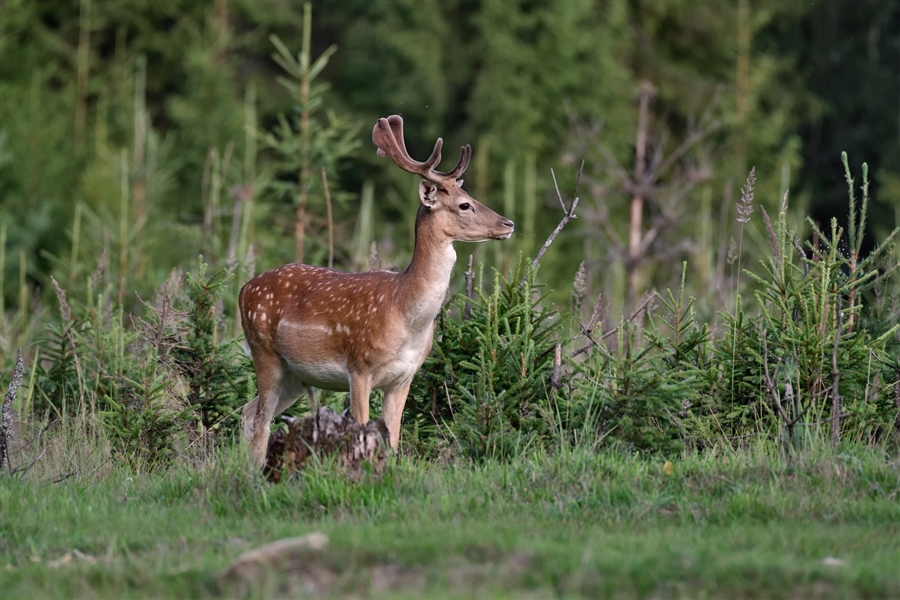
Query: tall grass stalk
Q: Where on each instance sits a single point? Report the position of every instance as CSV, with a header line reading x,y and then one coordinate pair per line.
x,y
249,191
705,258
854,232
482,168
35,119
744,210
24,401
83,74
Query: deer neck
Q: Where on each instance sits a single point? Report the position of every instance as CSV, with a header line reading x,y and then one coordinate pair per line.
x,y
424,283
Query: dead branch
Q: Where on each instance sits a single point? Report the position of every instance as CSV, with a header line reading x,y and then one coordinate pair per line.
x,y
588,334
568,213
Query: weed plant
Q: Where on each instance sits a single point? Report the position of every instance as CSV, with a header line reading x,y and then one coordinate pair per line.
x,y
154,385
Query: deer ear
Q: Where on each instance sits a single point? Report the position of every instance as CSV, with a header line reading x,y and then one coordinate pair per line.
x,y
427,193
459,182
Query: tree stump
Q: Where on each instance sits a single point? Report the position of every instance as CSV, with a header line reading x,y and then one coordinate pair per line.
x,y
6,412
325,434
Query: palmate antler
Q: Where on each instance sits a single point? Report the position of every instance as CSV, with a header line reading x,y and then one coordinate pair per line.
x,y
388,137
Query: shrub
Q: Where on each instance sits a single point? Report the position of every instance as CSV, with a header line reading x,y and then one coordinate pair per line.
x,y
487,377
151,383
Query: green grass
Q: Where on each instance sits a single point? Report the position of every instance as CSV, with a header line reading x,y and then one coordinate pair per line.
x,y
723,525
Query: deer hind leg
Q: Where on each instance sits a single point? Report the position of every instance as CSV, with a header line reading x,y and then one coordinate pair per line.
x,y
256,416
256,420
394,401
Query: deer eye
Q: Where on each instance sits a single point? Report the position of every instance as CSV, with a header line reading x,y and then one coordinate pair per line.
x,y
464,206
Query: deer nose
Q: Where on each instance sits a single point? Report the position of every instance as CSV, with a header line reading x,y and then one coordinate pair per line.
x,y
508,223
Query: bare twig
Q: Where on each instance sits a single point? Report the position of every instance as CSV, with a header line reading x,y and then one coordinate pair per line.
x,y
644,182
592,342
63,477
213,427
692,140
639,193
36,437
677,423
798,410
449,401
568,214
25,468
6,414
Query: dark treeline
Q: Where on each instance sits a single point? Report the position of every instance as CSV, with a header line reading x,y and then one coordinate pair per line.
x,y
134,127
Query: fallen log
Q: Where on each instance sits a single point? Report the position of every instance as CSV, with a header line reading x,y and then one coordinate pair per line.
x,y
326,434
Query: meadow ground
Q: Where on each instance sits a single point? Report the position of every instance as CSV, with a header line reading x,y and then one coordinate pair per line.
x,y
720,524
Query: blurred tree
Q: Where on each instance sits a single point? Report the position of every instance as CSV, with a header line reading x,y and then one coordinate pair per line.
x,y
131,111
533,60
717,108
847,55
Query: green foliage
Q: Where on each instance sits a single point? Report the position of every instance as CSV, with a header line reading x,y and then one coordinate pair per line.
x,y
488,376
139,419
81,355
148,386
784,361
524,47
217,375
136,112
637,389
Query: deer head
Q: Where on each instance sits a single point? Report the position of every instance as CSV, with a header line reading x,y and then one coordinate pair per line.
x,y
461,217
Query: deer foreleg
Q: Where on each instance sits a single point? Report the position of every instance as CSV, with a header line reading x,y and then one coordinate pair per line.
x,y
360,388
394,401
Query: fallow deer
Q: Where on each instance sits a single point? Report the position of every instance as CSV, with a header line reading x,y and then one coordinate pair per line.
x,y
310,327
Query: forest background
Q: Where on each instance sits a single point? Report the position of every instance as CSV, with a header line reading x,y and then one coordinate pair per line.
x,y
154,131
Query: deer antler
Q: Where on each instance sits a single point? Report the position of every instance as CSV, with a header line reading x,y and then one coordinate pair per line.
x,y
388,137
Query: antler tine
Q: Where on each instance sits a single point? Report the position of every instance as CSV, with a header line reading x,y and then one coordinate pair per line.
x,y
388,137
465,155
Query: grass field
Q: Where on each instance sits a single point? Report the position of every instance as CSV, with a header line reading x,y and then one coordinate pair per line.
x,y
727,524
